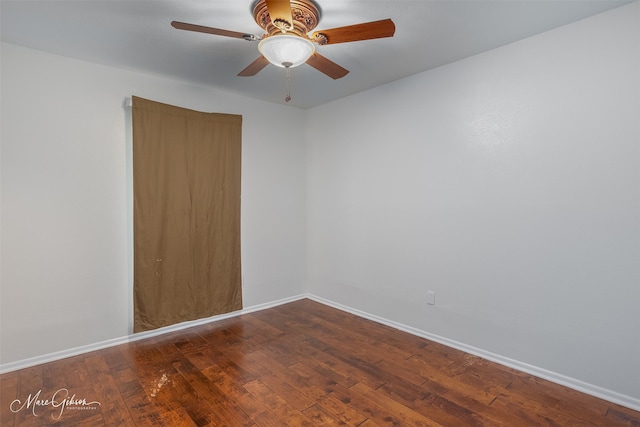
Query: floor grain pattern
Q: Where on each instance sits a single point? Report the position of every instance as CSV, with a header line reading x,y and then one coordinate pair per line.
x,y
298,364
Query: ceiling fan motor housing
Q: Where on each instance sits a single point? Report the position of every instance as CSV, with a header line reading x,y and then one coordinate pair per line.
x,y
305,14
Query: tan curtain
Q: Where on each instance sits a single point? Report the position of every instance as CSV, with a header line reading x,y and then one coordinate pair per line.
x,y
186,222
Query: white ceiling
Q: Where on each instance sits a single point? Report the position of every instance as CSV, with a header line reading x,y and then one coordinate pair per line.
x,y
136,35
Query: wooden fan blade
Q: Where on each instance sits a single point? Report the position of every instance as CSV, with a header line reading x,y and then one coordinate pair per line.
x,y
280,10
327,66
352,33
253,68
210,30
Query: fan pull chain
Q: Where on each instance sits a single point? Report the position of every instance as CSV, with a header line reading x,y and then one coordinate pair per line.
x,y
287,98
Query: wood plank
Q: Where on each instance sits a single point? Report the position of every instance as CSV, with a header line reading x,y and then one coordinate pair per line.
x,y
212,398
535,414
388,411
556,397
619,415
367,335
8,393
320,417
273,379
276,404
116,413
320,389
242,399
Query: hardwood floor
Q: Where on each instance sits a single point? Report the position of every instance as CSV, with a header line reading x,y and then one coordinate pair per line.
x,y
299,364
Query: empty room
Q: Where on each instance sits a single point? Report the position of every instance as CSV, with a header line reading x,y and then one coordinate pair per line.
x,y
320,212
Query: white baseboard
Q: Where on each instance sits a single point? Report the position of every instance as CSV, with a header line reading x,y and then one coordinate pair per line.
x,y
581,386
593,390
63,354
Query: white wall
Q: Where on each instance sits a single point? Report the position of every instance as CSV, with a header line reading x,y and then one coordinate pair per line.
x,y
508,183
66,199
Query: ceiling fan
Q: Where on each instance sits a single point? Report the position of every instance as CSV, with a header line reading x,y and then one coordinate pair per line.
x,y
288,41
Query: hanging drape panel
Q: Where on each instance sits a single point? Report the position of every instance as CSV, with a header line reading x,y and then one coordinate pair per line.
x,y
186,222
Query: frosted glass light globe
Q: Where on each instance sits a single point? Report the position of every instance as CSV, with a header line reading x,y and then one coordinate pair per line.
x,y
286,50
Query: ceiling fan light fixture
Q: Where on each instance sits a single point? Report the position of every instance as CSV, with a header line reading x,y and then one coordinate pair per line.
x,y
286,50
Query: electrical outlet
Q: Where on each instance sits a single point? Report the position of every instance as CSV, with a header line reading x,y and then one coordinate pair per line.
x,y
431,297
